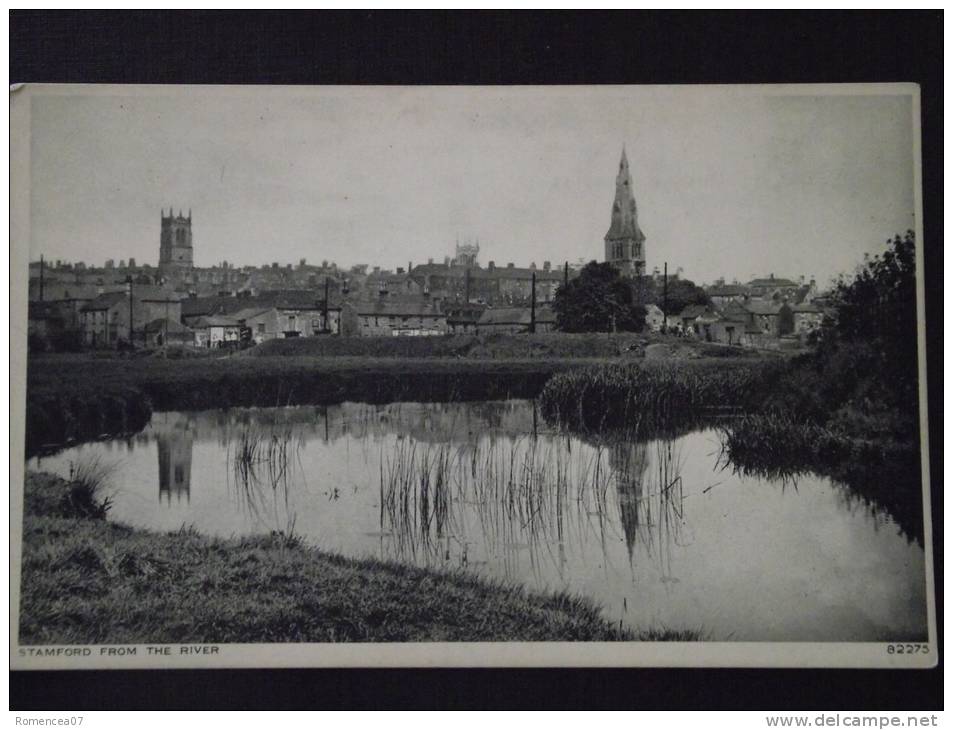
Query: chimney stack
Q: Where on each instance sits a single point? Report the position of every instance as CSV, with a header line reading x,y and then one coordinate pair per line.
x,y
546,266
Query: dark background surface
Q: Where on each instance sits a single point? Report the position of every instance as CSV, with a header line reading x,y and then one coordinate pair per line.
x,y
508,48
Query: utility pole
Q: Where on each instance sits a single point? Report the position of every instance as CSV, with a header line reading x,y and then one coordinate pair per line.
x,y
129,279
327,325
41,277
566,274
532,310
665,299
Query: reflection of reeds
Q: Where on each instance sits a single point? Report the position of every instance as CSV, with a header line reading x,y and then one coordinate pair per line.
x,y
529,497
262,464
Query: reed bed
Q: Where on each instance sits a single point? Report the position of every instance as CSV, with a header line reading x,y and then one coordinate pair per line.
x,y
623,395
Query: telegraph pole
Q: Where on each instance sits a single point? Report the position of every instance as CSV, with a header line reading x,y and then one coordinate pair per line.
x,y
41,277
532,310
566,274
327,325
665,299
129,279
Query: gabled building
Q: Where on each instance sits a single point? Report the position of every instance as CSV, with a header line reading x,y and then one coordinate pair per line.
x,y
164,332
216,331
771,318
105,320
768,287
396,317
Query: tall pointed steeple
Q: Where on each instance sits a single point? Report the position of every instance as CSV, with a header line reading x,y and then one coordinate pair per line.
x,y
625,240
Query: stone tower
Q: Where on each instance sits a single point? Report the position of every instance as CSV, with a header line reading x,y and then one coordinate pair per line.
x,y
175,244
625,242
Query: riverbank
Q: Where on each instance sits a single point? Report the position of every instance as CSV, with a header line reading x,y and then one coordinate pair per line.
x,y
85,396
77,398
88,580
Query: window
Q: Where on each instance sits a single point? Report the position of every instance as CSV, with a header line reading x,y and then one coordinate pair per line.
x,y
261,328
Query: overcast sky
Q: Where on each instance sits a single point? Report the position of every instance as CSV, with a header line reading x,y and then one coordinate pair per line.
x,y
727,183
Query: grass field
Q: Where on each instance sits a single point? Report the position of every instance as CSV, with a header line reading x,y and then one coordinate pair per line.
x,y
86,580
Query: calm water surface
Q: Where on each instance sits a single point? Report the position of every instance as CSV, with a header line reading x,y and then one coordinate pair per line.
x,y
659,532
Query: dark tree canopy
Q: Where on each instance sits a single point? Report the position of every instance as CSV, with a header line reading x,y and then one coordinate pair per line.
x,y
875,314
600,299
681,293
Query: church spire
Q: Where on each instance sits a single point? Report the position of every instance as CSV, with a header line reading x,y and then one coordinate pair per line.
x,y
624,240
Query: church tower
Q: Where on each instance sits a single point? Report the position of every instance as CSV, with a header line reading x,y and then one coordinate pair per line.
x,y
625,242
175,243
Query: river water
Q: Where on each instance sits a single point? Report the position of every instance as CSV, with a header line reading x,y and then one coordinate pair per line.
x,y
659,532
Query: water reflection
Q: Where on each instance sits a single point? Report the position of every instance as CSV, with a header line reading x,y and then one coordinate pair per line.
x,y
649,524
174,436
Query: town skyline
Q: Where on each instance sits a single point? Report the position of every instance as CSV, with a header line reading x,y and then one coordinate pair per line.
x,y
735,186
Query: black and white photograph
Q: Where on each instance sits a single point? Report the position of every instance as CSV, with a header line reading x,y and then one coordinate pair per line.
x,y
470,376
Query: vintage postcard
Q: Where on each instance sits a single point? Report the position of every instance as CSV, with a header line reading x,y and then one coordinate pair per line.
x,y
468,376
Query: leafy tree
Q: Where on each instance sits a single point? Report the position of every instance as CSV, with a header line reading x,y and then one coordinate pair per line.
x,y
681,293
873,326
600,299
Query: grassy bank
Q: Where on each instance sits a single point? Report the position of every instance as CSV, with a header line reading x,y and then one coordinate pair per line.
x,y
86,580
82,397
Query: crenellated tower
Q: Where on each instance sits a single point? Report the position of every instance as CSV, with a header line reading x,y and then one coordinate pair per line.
x,y
625,242
175,242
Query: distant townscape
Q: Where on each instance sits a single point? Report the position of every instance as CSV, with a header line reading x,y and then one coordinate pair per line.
x,y
175,303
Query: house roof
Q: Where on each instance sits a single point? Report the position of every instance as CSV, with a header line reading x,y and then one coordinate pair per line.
x,y
692,311
166,325
399,306
204,306
505,315
151,293
215,321
465,312
772,282
250,313
289,299
479,272
734,311
60,291
763,308
105,301
726,290
806,308
516,315
708,317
